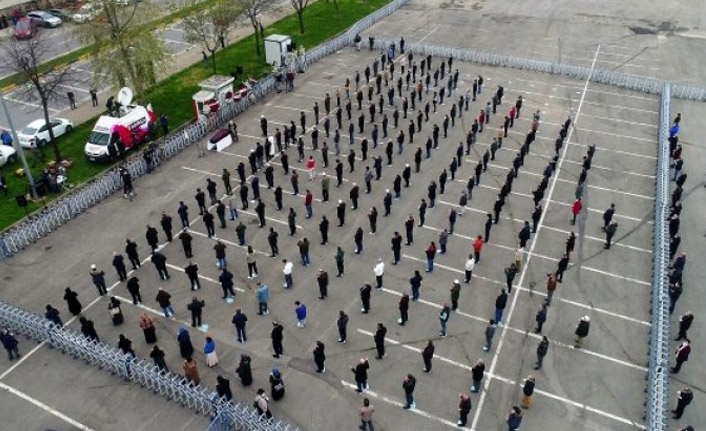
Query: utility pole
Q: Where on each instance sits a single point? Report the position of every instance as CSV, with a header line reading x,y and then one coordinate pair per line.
x,y
18,147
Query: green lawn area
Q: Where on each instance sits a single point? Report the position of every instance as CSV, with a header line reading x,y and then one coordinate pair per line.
x,y
173,95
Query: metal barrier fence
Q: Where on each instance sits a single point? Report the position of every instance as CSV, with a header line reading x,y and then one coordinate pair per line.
x,y
231,415
74,203
658,373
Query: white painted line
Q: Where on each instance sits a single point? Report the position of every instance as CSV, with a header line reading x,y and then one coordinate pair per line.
x,y
200,171
549,258
22,359
527,333
203,277
535,292
429,34
388,400
511,382
46,408
28,104
225,241
496,355
647,111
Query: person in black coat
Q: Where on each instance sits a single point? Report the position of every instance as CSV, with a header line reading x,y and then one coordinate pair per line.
x,y
561,267
52,315
365,297
125,345
157,356
244,370
320,357
361,374
131,251
133,286
277,335
223,388
72,302
166,223
152,237
582,331
524,234
88,329
186,349
119,264
380,341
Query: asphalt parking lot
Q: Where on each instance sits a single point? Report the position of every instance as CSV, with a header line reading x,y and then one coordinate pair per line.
x,y
597,387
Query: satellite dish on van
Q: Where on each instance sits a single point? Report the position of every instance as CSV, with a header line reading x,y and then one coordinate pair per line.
x,y
124,96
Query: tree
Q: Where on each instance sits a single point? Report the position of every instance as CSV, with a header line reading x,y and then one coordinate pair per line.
x,y
299,6
44,85
252,9
122,46
209,25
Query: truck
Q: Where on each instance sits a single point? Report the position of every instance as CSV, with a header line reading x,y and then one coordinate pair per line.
x,y
116,134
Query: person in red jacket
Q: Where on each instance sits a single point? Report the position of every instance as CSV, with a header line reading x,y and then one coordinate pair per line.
x,y
431,253
477,247
576,209
481,120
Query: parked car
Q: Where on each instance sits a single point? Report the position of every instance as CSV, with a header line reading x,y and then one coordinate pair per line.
x,y
44,19
8,155
25,28
59,13
86,13
37,132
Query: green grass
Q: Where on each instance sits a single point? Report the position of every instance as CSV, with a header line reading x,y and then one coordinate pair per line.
x,y
321,24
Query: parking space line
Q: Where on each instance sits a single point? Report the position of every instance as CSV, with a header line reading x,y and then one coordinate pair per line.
x,y
203,277
534,292
28,104
396,403
528,333
46,408
648,111
549,258
70,87
578,87
506,168
509,381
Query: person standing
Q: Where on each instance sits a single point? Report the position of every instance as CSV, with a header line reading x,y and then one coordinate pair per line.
x,y
576,209
240,320
320,357
10,343
361,374
277,335
464,408
684,398
561,267
455,293
208,221
340,262
540,317
196,309
477,372
477,247
489,334
408,384
163,298
379,271
300,312
262,403
209,350
542,349
514,419
263,295
468,268
610,233
551,288
71,298
133,286
287,271
685,322
131,251
342,325
323,229
681,355
186,239
148,329
500,304
524,234
365,297
404,309
322,280
119,265
608,216
527,391
582,331
380,341
366,415
116,313
98,278
52,315
510,273
444,316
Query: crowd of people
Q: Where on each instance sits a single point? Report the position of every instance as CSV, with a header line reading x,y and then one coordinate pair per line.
x,y
420,88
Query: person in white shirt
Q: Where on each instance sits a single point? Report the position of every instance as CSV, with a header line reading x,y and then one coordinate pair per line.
x,y
288,268
469,265
518,258
379,270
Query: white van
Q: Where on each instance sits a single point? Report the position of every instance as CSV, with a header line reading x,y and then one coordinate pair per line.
x,y
135,118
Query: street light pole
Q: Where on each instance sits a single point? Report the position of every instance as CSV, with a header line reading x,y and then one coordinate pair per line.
x,y
18,147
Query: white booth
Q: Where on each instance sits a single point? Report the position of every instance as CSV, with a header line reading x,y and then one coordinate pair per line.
x,y
276,47
215,92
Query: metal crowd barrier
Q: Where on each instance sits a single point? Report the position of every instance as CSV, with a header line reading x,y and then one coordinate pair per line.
x,y
656,408
231,415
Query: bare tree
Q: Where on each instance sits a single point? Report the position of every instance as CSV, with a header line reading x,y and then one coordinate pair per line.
x,y
209,25
122,47
25,58
252,9
299,6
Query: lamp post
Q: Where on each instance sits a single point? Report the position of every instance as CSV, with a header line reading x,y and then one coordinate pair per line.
x,y
18,147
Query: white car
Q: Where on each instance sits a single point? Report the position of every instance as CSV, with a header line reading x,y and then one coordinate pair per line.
x,y
37,131
44,19
86,13
7,155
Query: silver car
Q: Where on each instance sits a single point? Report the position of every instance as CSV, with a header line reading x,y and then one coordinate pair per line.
x,y
44,19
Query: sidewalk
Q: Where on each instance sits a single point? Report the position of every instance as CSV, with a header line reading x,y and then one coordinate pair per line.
x,y
85,111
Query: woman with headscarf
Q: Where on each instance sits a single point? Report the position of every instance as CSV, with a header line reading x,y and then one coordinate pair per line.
x,y
244,371
185,347
125,345
71,299
147,325
209,349
88,329
223,388
157,356
191,371
276,384
262,404
116,313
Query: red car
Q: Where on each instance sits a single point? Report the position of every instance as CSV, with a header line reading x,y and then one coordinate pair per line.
x,y
25,28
